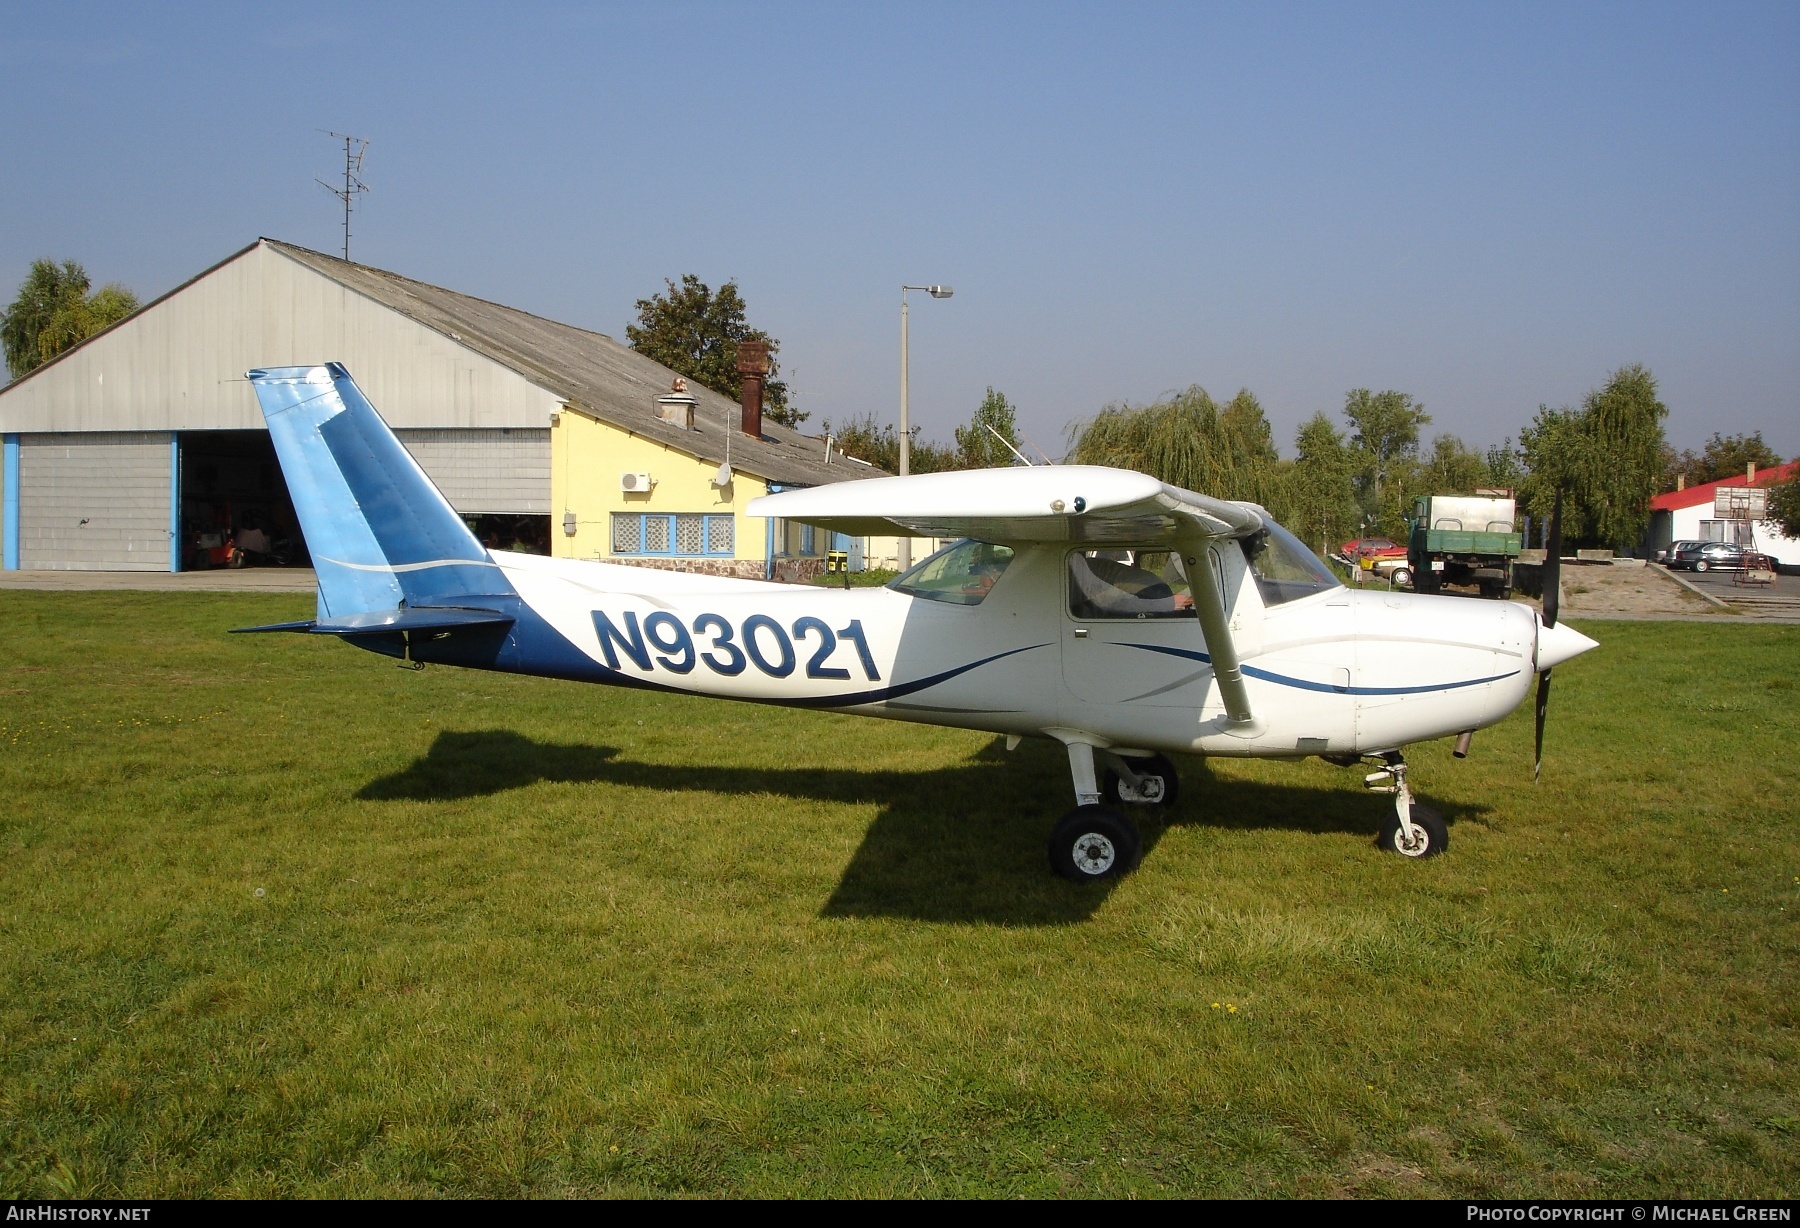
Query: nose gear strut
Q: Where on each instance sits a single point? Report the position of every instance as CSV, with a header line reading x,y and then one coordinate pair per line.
x,y
1414,830
1391,778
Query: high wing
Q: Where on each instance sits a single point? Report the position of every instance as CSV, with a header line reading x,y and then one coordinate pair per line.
x,y
1050,503
1047,503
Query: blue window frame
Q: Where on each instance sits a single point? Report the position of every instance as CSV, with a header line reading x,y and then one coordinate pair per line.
x,y
674,534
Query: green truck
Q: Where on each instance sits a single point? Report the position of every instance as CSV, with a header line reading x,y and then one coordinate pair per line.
x,y
1463,539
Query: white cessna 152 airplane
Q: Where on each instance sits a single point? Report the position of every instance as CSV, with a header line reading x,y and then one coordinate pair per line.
x,y
1117,614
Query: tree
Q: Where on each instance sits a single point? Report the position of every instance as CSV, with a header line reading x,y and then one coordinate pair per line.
x,y
879,444
1728,455
1188,441
1386,435
1321,498
53,312
976,445
1608,457
1784,507
1506,468
1453,468
695,331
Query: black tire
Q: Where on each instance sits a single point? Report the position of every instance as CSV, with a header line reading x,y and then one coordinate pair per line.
x,y
1703,565
1092,844
1431,825
1402,576
1117,793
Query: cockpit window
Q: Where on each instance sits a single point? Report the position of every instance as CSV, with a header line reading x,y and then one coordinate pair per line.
x,y
1284,568
961,573
1128,584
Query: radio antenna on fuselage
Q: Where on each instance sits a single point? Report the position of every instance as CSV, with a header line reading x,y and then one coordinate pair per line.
x,y
1003,439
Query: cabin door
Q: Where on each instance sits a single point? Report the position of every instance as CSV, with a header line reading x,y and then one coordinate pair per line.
x,y
1130,635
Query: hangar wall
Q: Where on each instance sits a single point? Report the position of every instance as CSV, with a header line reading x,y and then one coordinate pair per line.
x,y
95,501
179,364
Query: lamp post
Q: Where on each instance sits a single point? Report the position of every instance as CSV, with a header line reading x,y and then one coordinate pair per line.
x,y
905,550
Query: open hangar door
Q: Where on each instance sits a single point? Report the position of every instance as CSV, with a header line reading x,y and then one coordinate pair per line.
x,y
235,507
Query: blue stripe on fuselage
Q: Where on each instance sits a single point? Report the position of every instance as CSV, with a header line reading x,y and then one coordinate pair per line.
x,y
533,646
1325,687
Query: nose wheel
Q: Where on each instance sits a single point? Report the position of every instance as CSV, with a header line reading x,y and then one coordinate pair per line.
x,y
1411,830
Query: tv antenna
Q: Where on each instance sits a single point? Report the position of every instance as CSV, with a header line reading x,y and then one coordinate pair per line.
x,y
354,148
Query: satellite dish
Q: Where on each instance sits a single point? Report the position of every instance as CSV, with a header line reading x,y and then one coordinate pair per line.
x,y
722,478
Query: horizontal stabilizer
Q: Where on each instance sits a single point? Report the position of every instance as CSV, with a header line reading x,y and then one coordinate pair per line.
x,y
420,618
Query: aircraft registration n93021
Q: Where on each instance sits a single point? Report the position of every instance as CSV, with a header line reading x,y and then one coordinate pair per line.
x,y
1118,615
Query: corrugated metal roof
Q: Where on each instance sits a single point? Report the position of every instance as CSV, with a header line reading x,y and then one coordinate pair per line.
x,y
591,372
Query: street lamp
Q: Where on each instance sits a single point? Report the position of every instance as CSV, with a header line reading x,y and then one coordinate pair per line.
x,y
905,416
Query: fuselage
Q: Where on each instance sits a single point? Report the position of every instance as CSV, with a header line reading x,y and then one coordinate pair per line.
x,y
1335,672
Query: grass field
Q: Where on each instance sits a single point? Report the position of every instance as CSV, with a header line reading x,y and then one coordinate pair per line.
x,y
277,918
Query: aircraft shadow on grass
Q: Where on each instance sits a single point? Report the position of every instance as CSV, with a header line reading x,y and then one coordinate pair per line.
x,y
962,844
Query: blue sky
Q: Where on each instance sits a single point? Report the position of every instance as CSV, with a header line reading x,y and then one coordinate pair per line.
x,y
1487,206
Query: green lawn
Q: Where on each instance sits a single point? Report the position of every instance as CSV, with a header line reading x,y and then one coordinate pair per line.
x,y
278,918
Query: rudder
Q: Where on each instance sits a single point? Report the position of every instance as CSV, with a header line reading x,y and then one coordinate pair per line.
x,y
381,535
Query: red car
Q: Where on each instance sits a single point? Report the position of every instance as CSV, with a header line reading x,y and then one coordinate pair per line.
x,y
1374,548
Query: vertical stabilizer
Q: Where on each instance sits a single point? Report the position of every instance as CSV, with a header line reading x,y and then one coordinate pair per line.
x,y
382,537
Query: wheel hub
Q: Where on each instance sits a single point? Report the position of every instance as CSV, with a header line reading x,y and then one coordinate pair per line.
x,y
1094,853
1148,789
1413,843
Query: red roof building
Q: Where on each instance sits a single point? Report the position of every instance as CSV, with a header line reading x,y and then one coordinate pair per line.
x,y
1687,515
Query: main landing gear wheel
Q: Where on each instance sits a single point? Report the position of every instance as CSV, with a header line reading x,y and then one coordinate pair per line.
x,y
1431,835
1092,844
1159,783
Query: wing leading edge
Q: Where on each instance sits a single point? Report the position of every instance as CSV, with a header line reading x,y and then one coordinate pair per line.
x,y
1087,504
1049,503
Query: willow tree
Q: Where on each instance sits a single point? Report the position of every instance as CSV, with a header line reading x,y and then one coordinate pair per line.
x,y
54,312
1320,503
1607,456
1189,440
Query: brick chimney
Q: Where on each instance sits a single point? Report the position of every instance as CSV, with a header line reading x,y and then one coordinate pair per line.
x,y
753,370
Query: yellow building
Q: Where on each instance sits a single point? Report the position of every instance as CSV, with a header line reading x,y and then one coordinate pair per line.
x,y
624,496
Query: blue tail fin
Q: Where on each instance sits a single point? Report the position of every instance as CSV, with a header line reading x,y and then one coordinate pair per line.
x,y
381,535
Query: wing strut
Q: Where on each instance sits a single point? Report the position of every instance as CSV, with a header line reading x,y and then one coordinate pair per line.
x,y
1209,603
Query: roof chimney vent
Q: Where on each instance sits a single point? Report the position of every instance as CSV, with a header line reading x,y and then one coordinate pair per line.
x,y
676,406
753,369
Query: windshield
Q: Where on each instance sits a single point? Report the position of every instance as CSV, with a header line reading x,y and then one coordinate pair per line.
x,y
961,573
1284,568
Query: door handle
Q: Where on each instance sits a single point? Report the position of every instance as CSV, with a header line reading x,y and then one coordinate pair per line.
x,y
1081,633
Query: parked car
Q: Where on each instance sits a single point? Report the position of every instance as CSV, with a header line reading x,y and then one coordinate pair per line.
x,y
1666,556
1712,556
1374,548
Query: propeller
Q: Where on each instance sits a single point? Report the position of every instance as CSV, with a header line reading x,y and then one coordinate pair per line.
x,y
1552,600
